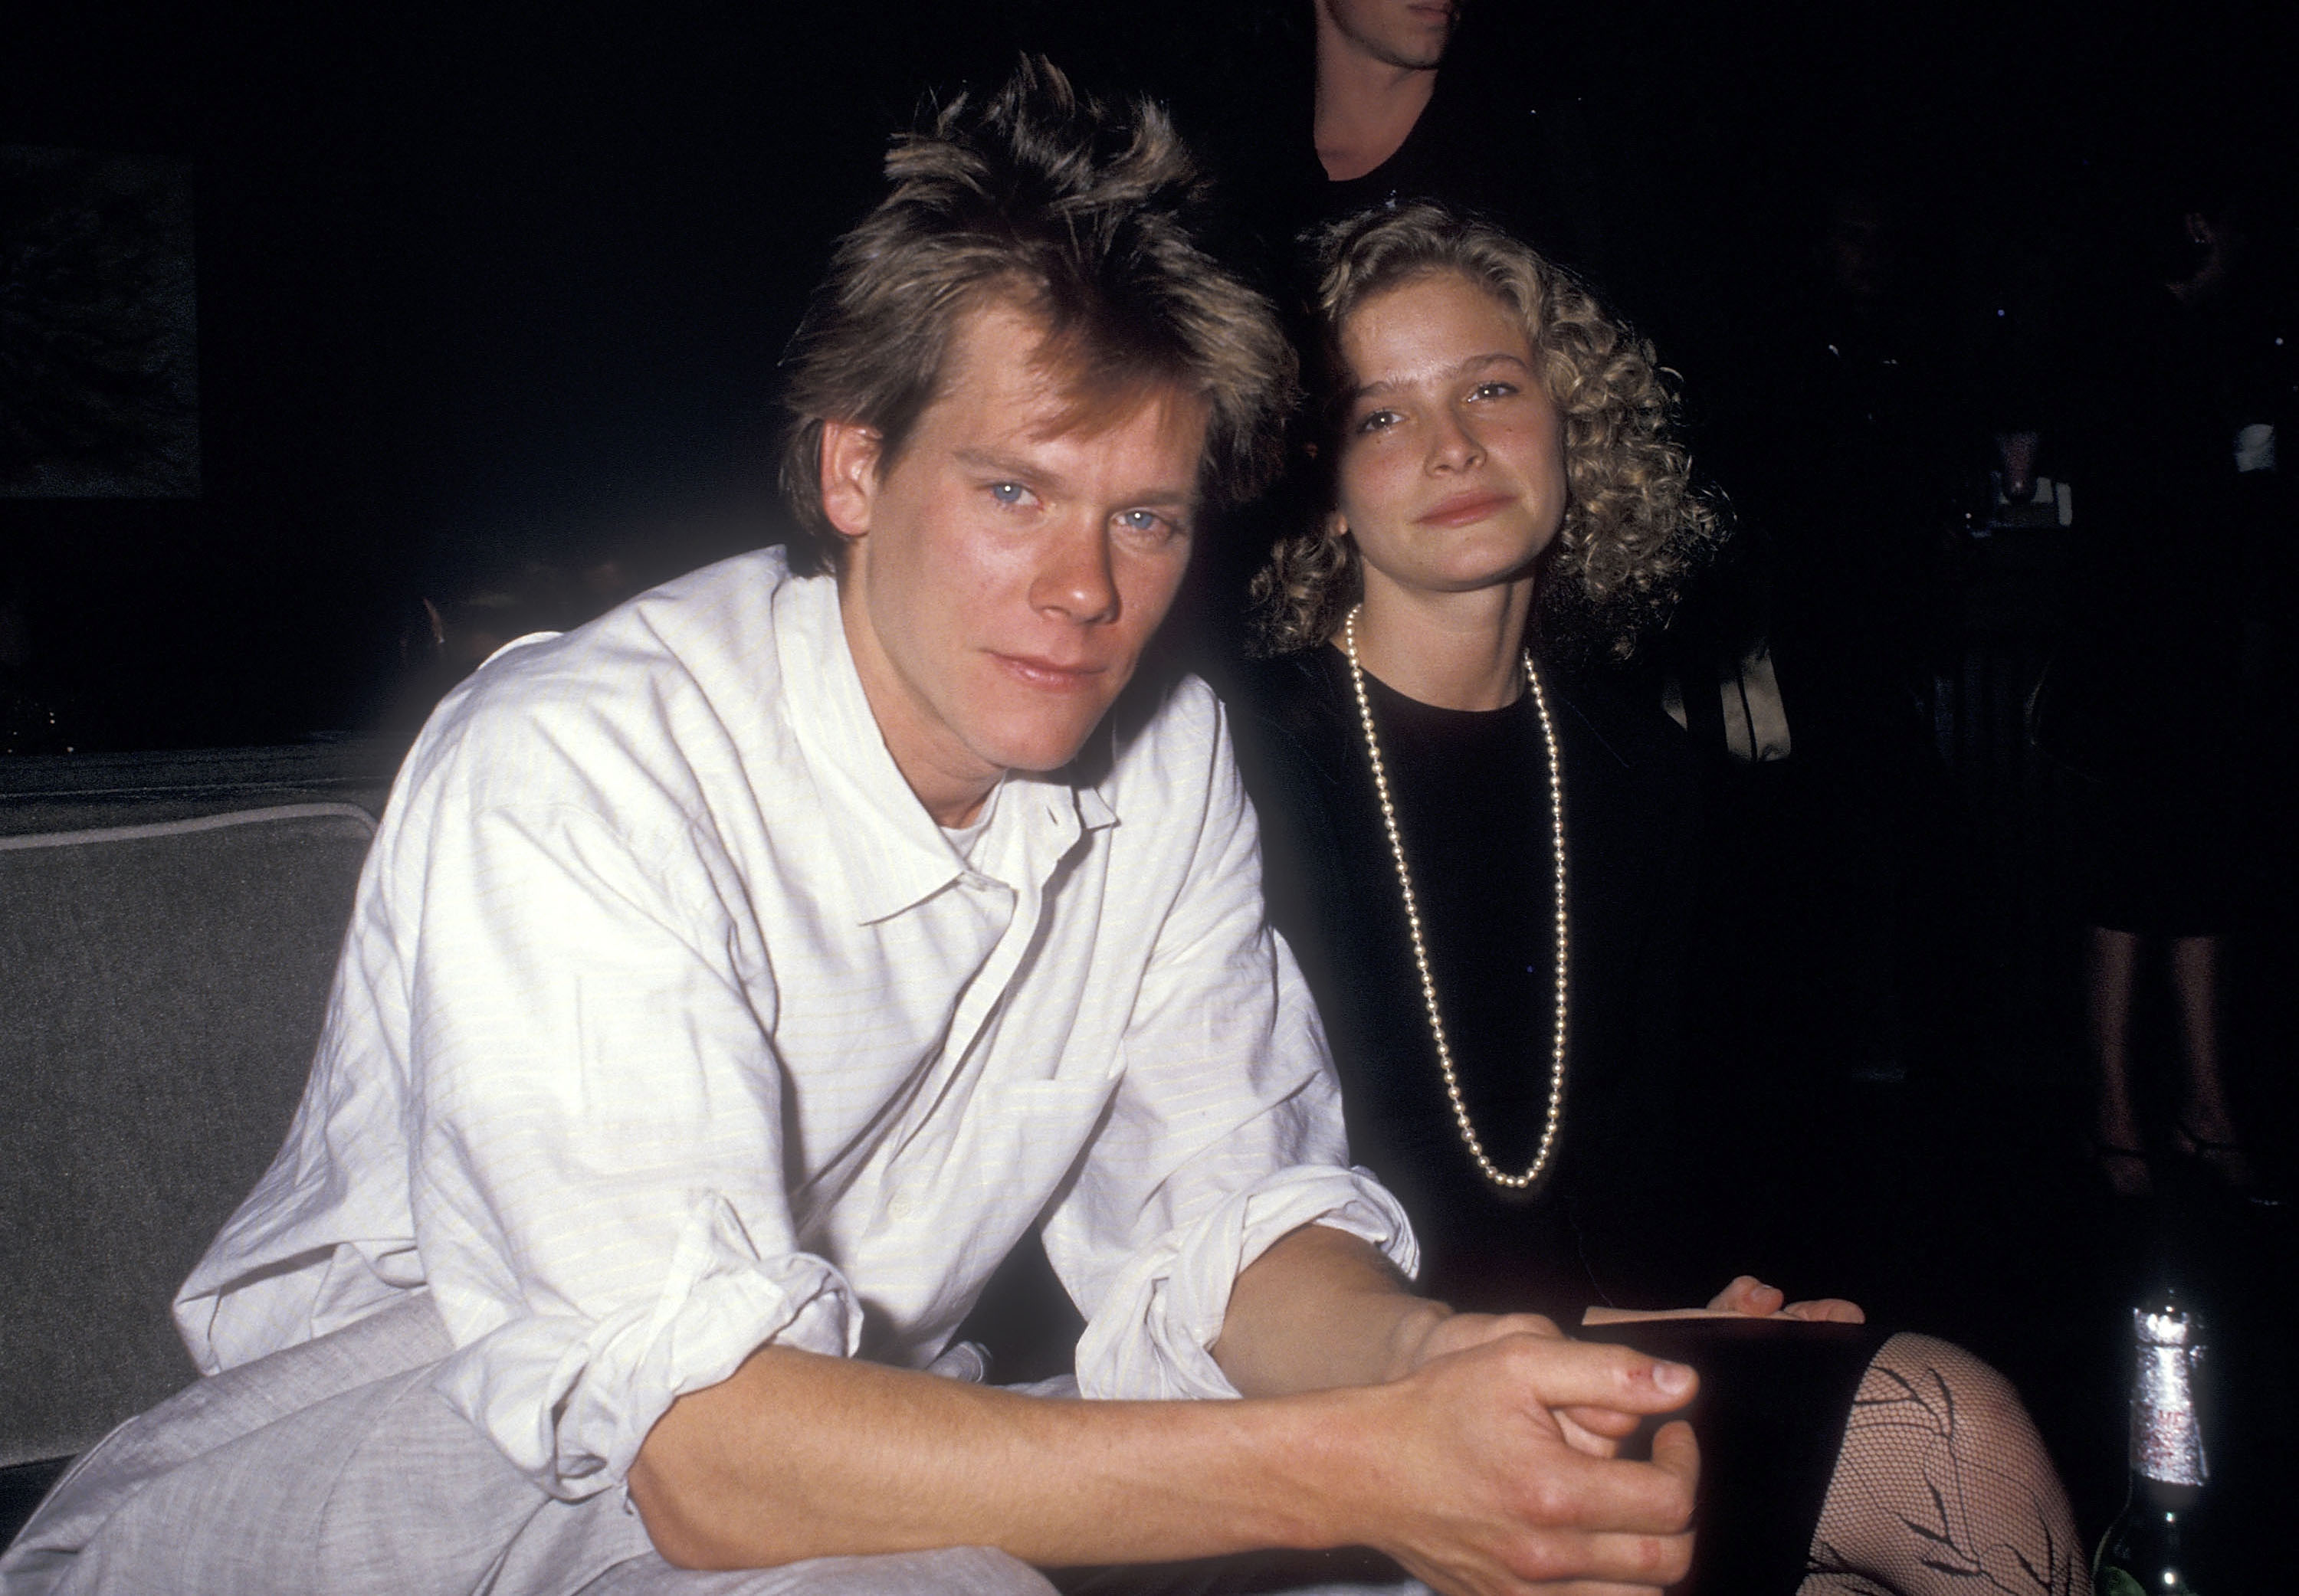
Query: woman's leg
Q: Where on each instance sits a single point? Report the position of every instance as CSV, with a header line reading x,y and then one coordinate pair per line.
x,y
2206,1125
2111,977
1942,1485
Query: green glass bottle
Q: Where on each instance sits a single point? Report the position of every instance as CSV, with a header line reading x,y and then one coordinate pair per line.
x,y
2141,1555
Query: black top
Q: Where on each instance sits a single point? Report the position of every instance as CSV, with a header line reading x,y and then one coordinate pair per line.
x,y
1470,790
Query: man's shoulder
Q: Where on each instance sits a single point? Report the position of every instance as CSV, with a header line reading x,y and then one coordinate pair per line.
x,y
1162,720
640,695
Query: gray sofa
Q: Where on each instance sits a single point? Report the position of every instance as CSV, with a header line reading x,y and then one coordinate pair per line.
x,y
168,924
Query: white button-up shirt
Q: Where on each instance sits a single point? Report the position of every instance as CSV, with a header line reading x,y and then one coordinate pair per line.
x,y
669,1025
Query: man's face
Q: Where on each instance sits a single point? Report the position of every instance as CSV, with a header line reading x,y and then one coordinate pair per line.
x,y
1005,572
1410,35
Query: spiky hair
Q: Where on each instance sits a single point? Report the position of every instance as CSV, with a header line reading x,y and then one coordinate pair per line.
x,y
1076,212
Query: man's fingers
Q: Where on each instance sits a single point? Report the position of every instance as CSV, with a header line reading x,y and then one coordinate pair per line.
x,y
1608,1422
1677,1454
1590,1496
1605,1565
1584,1374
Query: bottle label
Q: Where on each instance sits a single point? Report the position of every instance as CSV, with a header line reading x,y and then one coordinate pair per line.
x,y
2167,1443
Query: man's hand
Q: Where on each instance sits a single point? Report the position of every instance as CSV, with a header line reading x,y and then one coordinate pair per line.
x,y
1746,1297
1473,1483
1597,1430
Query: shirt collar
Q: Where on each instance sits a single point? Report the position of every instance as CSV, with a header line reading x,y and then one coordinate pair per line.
x,y
889,849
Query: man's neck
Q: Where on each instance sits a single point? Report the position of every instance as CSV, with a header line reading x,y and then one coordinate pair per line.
x,y
1366,108
949,781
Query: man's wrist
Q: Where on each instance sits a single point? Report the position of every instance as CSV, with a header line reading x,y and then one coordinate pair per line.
x,y
1409,1337
1314,1455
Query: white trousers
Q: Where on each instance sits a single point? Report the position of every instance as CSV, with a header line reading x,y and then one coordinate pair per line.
x,y
334,1469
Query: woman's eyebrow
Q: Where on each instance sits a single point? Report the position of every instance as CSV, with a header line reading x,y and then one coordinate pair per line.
x,y
1498,357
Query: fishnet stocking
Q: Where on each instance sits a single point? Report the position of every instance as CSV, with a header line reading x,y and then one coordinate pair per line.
x,y
1942,1485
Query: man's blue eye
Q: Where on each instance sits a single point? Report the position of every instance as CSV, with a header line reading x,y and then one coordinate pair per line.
x,y
1008,492
1141,520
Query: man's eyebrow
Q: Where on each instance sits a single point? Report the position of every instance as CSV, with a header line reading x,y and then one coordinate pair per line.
x,y
1500,357
1029,472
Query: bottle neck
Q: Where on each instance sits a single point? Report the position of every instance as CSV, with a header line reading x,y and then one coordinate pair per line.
x,y
2167,1443
2162,1498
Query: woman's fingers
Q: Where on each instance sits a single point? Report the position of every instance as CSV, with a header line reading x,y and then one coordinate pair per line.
x,y
1749,1295
1834,1310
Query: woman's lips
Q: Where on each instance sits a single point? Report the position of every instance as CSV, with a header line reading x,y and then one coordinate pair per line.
x,y
1462,509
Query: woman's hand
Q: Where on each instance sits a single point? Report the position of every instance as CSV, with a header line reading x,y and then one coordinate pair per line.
x,y
1746,1297
1752,1298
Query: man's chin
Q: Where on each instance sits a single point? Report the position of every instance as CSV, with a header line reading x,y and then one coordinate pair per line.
x,y
1039,749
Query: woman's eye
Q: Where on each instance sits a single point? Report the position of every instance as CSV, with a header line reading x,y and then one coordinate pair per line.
x,y
1494,390
1378,421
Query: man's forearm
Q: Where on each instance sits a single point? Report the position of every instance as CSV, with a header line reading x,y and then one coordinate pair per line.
x,y
799,1456
1319,1309
1387,1422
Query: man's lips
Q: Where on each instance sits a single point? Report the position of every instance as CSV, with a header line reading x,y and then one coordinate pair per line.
x,y
1461,509
1054,674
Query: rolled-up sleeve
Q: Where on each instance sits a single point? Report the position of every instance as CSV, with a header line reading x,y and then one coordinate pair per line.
x,y
1225,1132
597,1189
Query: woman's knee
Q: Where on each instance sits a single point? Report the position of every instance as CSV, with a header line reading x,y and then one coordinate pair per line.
x,y
1923,1379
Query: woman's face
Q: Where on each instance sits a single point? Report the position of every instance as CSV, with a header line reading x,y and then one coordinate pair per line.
x,y
1452,454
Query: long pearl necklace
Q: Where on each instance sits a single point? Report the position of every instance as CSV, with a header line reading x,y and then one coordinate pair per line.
x,y
1469,1137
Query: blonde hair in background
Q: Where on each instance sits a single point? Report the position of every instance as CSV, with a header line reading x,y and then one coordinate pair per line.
x,y
1635,527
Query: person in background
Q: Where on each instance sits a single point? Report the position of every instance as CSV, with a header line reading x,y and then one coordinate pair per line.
x,y
2154,703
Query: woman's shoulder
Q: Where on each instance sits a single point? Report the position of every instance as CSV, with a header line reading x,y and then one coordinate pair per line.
x,y
1611,716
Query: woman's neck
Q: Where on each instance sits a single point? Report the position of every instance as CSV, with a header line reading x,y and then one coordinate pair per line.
x,y
1452,650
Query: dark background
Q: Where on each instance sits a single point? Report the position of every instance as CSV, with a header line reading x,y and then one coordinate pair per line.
x,y
488,282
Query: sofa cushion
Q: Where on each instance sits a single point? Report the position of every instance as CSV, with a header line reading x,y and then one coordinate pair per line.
x,y
163,985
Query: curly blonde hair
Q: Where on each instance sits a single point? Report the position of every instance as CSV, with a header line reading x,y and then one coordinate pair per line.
x,y
1635,527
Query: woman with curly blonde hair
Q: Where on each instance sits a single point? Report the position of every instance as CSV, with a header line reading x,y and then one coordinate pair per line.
x,y
1633,527
1483,860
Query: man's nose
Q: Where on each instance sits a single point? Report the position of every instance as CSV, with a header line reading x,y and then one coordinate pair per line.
x,y
1076,579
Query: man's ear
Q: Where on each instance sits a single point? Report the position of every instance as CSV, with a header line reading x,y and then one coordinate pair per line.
x,y
850,475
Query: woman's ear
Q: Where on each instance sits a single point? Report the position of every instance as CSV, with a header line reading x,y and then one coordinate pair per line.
x,y
1337,526
850,475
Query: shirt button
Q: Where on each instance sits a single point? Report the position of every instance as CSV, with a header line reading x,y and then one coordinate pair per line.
x,y
901,1206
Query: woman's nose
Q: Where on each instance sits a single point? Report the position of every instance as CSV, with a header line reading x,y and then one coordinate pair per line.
x,y
1454,444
